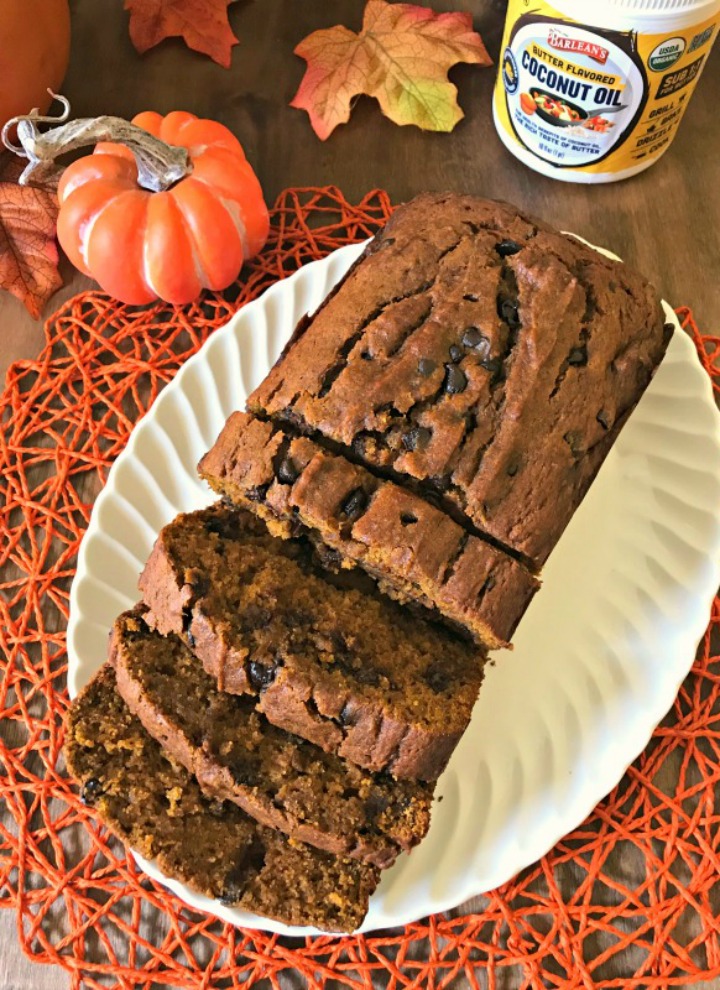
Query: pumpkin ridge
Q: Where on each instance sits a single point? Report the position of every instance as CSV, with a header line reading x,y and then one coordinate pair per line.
x,y
233,208
188,232
220,254
97,224
236,181
172,124
171,267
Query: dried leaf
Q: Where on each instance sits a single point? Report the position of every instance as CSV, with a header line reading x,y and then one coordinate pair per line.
x,y
202,24
401,57
28,252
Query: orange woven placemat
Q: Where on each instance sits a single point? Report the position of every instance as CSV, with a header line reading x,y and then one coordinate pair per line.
x,y
630,899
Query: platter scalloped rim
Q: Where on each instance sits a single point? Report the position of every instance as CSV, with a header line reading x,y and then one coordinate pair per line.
x,y
597,660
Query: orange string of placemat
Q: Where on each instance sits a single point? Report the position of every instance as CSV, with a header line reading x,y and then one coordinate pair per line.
x,y
630,899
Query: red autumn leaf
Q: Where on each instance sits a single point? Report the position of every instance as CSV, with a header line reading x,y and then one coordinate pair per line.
x,y
28,252
401,57
202,24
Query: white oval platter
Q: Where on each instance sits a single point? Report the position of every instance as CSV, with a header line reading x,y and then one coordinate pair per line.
x,y
598,658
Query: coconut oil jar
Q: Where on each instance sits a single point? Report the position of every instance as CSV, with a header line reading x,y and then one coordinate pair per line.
x,y
594,90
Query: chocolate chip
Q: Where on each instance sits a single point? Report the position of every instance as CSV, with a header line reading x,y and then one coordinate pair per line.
x,y
513,467
426,366
200,585
243,772
249,863
216,525
471,297
287,472
231,892
190,639
261,675
346,716
456,352
573,438
257,493
488,585
482,348
358,446
355,504
578,356
328,558
508,311
455,380
602,418
408,518
366,356
494,367
296,527
507,247
477,341
418,437
90,790
440,484
435,677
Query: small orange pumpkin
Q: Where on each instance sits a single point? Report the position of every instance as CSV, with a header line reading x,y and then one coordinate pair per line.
x,y
141,244
35,50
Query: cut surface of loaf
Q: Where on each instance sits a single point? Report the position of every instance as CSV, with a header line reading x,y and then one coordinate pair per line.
x,y
236,755
479,356
415,551
155,806
352,672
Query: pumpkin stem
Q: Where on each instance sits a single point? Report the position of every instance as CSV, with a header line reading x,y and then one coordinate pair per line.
x,y
159,164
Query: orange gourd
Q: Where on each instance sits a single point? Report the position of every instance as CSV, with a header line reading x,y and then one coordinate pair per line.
x,y
34,53
141,244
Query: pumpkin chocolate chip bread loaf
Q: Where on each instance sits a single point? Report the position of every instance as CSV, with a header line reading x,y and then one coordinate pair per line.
x,y
416,552
352,672
157,807
478,356
237,755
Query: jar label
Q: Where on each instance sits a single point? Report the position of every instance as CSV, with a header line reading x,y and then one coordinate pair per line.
x,y
593,99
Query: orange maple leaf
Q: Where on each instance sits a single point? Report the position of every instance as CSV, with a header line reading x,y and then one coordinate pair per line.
x,y
28,252
401,57
202,24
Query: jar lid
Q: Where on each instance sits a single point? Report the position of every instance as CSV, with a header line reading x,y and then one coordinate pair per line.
x,y
643,6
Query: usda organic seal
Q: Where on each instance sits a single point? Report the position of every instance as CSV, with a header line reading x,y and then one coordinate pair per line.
x,y
666,54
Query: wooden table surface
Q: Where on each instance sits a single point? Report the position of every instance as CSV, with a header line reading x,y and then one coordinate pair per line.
x,y
665,221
